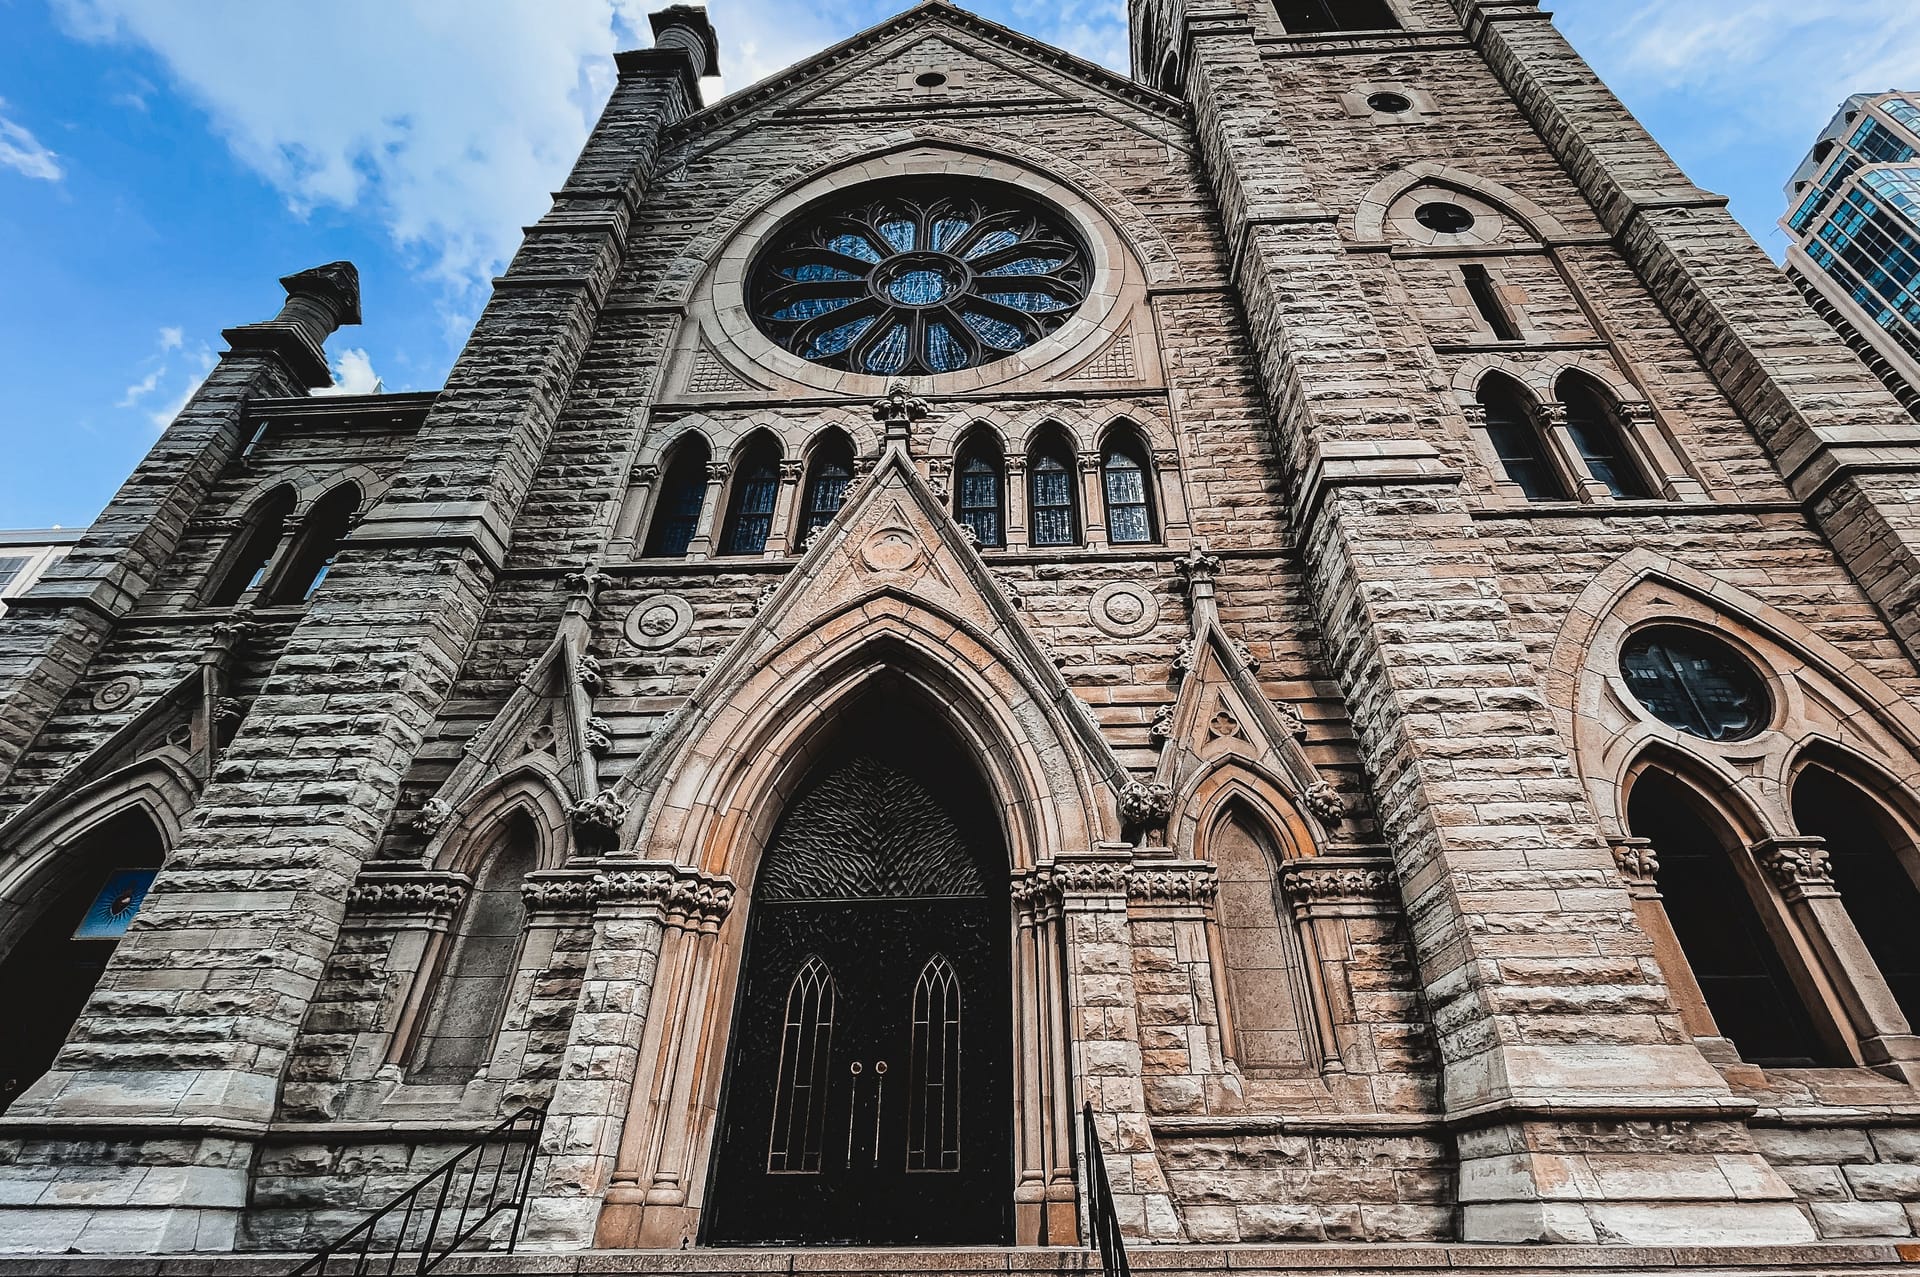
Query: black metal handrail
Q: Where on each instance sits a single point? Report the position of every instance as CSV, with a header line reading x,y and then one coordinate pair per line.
x,y
440,1214
1102,1220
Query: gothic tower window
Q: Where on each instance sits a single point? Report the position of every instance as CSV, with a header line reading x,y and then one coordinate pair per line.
x,y
756,488
1124,482
683,495
1052,516
1304,17
313,553
1518,442
470,995
246,564
1874,867
980,490
920,278
829,476
1596,432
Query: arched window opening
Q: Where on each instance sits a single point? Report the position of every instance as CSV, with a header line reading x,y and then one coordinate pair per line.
x,y
683,496
1304,17
980,492
933,1082
829,479
800,1096
52,969
1052,513
247,565
1735,959
319,542
1875,881
470,997
756,488
1597,433
1124,475
1266,975
1517,441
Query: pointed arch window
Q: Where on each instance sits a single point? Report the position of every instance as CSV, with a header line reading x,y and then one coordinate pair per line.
x,y
1124,482
1875,880
980,493
1267,984
246,565
319,543
1597,433
933,1094
756,489
1050,504
800,1093
683,497
828,481
1518,442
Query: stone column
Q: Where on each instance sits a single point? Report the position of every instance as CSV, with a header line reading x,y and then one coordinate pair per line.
x,y
1016,502
1093,501
711,515
783,508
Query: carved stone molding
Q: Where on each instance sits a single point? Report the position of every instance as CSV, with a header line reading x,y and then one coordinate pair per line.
x,y
1349,883
1800,867
699,898
599,737
658,621
1185,882
113,695
1199,568
560,893
589,675
432,817
1162,730
1124,610
1326,803
1636,859
587,583
408,893
599,816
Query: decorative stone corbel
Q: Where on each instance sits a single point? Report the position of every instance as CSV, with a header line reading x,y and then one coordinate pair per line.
x,y
1326,803
428,898
1146,804
1637,861
900,412
1800,867
596,822
599,737
432,817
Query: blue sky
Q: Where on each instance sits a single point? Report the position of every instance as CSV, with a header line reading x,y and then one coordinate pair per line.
x,y
163,162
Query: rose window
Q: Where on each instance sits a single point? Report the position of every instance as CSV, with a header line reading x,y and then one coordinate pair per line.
x,y
920,280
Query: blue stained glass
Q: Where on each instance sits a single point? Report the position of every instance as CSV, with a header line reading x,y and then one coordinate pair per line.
x,y
812,307
992,244
948,231
890,355
1034,303
854,246
112,910
899,234
995,332
836,341
815,272
1029,266
944,350
920,288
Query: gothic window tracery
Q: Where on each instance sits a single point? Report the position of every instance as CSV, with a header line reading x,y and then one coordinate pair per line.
x,y
920,279
1694,683
756,490
800,1092
1050,497
933,1097
683,496
1125,484
980,490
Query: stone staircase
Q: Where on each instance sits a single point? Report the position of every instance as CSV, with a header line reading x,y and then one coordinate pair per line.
x,y
1823,1260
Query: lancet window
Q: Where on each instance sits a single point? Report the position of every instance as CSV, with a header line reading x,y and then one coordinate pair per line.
x,y
683,497
756,490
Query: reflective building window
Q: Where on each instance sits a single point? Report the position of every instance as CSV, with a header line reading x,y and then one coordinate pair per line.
x,y
1695,684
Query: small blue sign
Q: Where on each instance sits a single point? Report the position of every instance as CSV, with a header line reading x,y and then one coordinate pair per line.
x,y
111,912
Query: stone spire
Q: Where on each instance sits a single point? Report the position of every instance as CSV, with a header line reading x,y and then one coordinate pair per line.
x,y
319,302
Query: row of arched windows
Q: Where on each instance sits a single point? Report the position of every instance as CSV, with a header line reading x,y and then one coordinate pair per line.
x,y
274,560
1578,449
1050,495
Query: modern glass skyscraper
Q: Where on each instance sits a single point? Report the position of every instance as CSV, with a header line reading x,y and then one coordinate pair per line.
x,y
1854,219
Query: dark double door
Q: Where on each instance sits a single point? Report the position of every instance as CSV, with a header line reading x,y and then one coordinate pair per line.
x,y
869,1098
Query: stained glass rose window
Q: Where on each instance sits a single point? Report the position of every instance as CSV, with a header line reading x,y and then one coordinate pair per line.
x,y
919,278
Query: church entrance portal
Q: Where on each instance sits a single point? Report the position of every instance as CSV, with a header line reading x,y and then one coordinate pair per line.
x,y
869,1094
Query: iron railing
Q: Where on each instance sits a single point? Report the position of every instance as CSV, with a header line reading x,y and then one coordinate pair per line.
x,y
488,1178
1102,1220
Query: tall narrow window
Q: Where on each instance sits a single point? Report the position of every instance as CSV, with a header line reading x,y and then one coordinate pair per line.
x,y
1266,977
470,997
756,486
1129,509
1303,17
1487,300
1734,958
247,565
1517,442
1050,504
827,485
800,1092
933,1094
980,495
1875,883
1596,432
319,542
683,495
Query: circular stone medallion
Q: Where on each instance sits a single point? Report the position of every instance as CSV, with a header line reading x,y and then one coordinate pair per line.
x,y
1125,610
116,693
659,620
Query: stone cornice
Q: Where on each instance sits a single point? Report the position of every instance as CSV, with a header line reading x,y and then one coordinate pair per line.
x,y
426,892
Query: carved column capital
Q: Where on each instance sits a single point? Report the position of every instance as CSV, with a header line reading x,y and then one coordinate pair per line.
x,y
1800,867
562,891
421,897
1636,859
717,471
791,471
1348,885
1178,882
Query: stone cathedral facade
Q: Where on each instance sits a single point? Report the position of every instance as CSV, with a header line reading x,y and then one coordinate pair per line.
x,y
1321,601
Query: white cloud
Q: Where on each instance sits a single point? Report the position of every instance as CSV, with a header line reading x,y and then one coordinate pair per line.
x,y
171,364
172,339
22,152
353,374
157,365
202,362
141,389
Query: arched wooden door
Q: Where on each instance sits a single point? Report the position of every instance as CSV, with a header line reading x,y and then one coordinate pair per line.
x,y
869,1091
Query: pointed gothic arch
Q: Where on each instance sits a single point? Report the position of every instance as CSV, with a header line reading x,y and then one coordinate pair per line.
x,y
1370,221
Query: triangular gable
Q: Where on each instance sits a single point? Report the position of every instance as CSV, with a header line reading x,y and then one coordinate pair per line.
x,y
906,73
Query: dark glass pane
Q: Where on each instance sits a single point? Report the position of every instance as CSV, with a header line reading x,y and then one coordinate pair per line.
x,y
327,525
682,497
750,520
1050,501
1128,519
826,492
1695,684
1737,964
1516,441
258,542
1875,884
1596,434
1304,17
978,504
